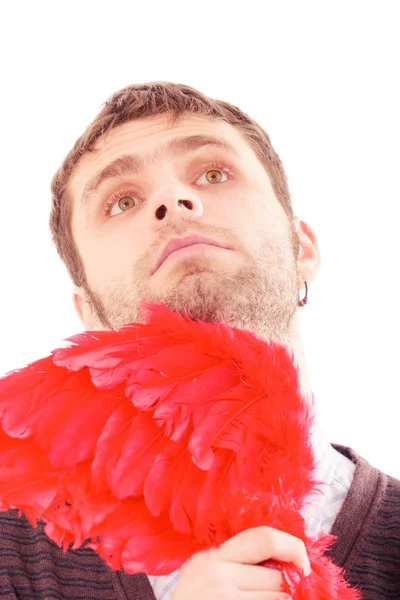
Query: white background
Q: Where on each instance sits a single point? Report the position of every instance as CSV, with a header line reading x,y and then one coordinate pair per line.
x,y
321,77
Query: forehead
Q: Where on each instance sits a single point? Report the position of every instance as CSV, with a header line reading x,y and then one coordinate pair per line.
x,y
143,136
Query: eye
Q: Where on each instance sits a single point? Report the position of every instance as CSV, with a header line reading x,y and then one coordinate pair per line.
x,y
213,176
124,200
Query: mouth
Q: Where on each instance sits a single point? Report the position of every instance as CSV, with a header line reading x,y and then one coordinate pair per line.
x,y
192,249
192,244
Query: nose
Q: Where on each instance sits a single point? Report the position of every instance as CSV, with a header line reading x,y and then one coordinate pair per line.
x,y
176,202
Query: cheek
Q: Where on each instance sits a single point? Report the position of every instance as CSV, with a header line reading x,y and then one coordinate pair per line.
x,y
247,213
122,254
107,258
265,224
240,207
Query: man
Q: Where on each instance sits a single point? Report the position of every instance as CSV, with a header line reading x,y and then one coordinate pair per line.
x,y
163,162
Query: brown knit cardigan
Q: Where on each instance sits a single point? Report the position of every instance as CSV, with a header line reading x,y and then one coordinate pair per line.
x,y
367,547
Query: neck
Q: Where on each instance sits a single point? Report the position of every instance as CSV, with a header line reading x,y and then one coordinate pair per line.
x,y
296,346
320,440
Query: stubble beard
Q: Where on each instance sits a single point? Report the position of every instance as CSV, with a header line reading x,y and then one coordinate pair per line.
x,y
261,297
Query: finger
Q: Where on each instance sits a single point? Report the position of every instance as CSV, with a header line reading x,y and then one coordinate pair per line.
x,y
254,545
252,578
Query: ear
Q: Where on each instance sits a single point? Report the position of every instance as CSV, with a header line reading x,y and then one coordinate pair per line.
x,y
83,310
309,259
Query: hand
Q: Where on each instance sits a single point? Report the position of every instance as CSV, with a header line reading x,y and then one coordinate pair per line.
x,y
232,571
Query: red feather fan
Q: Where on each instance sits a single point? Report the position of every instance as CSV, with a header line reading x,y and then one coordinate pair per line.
x,y
159,440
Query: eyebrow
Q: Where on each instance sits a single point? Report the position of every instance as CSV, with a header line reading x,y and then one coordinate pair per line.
x,y
134,164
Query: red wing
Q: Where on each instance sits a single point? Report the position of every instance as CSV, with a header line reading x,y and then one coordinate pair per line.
x,y
160,440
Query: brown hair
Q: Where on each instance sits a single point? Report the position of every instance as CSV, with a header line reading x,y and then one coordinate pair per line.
x,y
146,100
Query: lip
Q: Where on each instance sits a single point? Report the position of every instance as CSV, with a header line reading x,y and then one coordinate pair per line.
x,y
177,243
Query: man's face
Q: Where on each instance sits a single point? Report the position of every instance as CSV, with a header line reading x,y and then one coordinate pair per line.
x,y
253,284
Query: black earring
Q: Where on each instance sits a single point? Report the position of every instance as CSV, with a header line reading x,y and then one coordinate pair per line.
x,y
304,301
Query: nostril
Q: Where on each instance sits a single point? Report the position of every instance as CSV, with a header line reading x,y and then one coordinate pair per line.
x,y
160,212
187,203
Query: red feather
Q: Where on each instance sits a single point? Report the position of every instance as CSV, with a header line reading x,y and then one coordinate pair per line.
x,y
160,440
